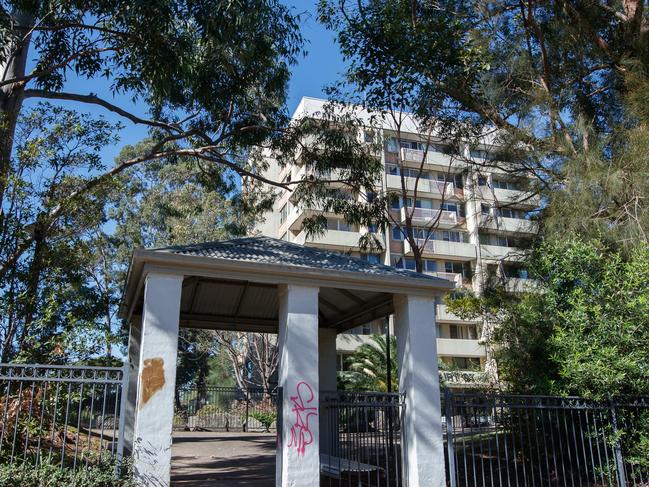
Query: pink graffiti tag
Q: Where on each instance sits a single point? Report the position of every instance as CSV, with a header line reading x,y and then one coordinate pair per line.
x,y
301,435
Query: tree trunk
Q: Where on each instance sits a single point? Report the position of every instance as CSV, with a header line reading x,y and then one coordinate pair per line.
x,y
34,279
11,98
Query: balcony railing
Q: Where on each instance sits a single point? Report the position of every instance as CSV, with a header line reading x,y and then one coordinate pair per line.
x,y
449,276
443,314
429,216
462,347
421,185
429,157
336,239
465,251
512,225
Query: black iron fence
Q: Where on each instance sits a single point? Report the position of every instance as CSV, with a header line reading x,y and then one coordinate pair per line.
x,y
65,415
225,409
361,438
499,439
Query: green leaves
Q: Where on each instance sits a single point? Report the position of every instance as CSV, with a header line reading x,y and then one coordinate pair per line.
x,y
587,331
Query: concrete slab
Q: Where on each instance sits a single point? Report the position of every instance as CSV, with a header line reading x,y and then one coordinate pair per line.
x,y
223,459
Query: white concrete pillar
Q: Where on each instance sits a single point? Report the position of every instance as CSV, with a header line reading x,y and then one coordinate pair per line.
x,y
327,362
157,380
298,454
423,446
134,336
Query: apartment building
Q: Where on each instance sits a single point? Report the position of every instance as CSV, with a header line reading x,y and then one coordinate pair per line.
x,y
482,224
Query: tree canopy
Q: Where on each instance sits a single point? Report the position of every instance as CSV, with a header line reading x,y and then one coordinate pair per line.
x,y
556,84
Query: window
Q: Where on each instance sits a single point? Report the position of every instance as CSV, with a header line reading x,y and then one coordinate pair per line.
x,y
501,241
430,265
365,329
511,213
484,209
396,233
482,181
462,268
283,213
410,263
371,258
371,195
502,184
466,363
392,145
458,179
450,207
340,225
451,236
372,228
463,332
407,172
516,272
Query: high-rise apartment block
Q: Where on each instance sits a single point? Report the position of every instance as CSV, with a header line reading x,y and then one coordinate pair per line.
x,y
481,227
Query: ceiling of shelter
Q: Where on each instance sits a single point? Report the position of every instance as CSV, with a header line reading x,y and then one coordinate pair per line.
x,y
252,306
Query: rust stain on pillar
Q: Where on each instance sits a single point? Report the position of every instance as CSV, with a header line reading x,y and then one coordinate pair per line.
x,y
153,378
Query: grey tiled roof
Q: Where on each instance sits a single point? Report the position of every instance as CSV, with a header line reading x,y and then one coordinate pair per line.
x,y
269,250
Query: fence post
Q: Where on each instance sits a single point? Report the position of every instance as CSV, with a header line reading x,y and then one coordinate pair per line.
x,y
450,444
619,460
122,412
245,424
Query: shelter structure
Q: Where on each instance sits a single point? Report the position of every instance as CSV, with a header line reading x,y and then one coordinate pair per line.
x,y
306,296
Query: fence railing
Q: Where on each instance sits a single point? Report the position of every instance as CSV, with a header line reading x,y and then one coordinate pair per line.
x,y
67,415
361,438
498,439
225,409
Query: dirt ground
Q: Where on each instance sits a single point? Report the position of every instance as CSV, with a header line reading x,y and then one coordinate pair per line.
x,y
223,459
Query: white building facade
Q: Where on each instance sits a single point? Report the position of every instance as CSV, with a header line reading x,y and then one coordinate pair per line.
x,y
482,226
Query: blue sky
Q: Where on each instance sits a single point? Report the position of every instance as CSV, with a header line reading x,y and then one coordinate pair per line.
x,y
321,66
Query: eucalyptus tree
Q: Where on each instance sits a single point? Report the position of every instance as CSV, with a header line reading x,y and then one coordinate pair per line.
x,y
210,77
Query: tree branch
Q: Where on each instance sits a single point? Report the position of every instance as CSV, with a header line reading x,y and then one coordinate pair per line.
x,y
93,99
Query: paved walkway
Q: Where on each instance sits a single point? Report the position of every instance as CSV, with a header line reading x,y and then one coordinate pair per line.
x,y
223,459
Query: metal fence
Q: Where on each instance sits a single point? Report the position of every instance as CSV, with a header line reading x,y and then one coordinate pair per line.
x,y
361,438
225,409
499,439
68,415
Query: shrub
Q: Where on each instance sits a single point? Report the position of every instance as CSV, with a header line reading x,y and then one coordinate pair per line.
x,y
49,475
266,418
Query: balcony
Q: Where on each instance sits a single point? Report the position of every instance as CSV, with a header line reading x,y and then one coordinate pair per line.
x,y
510,196
423,186
332,239
497,252
442,248
429,216
510,225
464,378
460,348
346,342
449,276
444,315
518,285
432,157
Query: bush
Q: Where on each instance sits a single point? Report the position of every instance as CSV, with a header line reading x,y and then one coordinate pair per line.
x,y
266,418
49,475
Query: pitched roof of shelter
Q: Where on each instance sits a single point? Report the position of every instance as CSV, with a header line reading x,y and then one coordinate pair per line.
x,y
268,250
